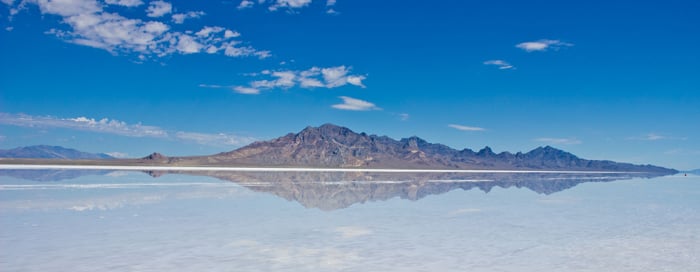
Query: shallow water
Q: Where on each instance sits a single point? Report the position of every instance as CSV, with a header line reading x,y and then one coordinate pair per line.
x,y
130,221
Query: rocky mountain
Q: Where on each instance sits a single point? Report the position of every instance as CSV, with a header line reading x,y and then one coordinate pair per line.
x,y
331,146
50,152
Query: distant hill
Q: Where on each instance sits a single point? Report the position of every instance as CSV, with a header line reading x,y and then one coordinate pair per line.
x,y
50,152
339,147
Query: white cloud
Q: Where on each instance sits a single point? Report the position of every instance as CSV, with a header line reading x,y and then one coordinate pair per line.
x,y
187,44
314,77
159,8
404,116
246,4
126,3
220,139
103,125
7,2
559,141
213,86
238,89
348,232
246,90
656,137
180,18
116,127
89,24
231,34
68,8
119,155
231,50
354,104
208,30
290,4
542,45
465,128
501,64
338,76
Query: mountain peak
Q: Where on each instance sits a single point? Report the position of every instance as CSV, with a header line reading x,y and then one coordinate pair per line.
x,y
155,156
485,151
331,145
548,150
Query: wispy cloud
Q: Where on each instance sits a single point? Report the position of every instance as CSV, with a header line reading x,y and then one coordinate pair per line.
x,y
220,139
87,23
354,104
116,127
329,7
404,116
118,154
559,141
246,4
104,125
314,77
655,137
501,64
158,8
246,90
179,18
465,128
542,45
125,3
291,6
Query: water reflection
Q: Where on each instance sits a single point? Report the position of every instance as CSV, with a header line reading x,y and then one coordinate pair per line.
x,y
337,190
129,221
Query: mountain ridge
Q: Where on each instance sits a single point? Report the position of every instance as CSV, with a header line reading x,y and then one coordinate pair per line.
x,y
332,146
50,152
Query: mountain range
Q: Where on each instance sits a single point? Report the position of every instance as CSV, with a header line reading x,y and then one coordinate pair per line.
x,y
331,146
50,152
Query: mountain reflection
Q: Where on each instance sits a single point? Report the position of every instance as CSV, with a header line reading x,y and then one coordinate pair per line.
x,y
337,190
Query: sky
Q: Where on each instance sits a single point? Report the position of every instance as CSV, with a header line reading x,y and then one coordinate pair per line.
x,y
602,79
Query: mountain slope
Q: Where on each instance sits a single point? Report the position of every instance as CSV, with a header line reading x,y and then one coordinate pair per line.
x,y
49,152
334,146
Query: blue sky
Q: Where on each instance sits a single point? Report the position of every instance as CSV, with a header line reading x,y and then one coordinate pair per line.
x,y
602,80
